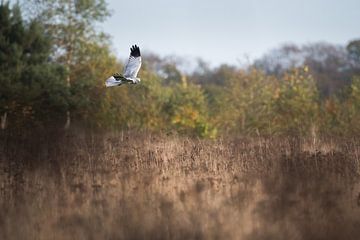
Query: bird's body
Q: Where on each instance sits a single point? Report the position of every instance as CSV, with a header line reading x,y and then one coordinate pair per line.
x,y
130,72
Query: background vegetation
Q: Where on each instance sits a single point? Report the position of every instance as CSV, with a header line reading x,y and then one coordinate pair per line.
x,y
53,65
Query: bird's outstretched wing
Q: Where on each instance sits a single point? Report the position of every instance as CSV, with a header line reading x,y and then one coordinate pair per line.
x,y
134,63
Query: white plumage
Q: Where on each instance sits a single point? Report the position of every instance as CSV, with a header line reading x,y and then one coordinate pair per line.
x,y
130,72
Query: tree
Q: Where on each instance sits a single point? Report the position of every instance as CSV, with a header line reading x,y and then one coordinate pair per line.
x,y
245,105
279,60
330,67
88,94
353,49
32,84
354,107
187,110
295,103
138,106
329,64
72,24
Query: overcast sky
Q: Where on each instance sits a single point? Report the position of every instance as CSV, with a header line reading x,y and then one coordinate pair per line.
x,y
228,31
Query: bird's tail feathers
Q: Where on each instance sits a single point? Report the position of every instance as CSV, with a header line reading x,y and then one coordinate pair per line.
x,y
112,82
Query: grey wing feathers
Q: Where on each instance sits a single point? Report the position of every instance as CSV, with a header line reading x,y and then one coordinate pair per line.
x,y
134,63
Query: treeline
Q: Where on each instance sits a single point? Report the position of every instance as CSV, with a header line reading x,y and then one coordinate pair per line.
x,y
53,64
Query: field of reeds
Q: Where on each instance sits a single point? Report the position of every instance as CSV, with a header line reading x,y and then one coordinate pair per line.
x,y
131,185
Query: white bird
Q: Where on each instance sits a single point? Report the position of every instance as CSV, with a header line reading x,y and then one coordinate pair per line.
x,y
130,72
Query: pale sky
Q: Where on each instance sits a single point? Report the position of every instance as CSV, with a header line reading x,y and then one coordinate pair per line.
x,y
228,31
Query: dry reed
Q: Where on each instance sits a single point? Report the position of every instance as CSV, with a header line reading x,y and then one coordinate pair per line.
x,y
132,185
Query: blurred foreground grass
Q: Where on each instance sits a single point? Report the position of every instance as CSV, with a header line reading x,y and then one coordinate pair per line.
x,y
133,185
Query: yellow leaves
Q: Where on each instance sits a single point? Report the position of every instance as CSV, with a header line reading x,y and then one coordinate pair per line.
x,y
306,68
186,116
176,119
330,106
277,93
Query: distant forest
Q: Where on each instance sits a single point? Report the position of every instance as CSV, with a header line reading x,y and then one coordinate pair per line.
x,y
54,60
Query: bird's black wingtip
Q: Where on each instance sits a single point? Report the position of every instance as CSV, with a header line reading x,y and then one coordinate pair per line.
x,y
135,51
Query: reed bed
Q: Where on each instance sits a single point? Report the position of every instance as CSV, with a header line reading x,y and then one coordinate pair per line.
x,y
132,185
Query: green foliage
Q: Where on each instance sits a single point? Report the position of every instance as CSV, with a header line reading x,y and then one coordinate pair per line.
x,y
295,103
187,110
78,46
87,89
56,62
354,106
250,96
252,103
353,49
32,86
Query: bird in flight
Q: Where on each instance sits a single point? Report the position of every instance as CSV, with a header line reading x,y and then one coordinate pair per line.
x,y
130,72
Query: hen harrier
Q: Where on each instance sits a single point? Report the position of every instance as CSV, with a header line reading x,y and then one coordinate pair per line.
x,y
130,72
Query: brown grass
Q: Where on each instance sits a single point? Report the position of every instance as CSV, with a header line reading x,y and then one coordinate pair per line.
x,y
144,186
